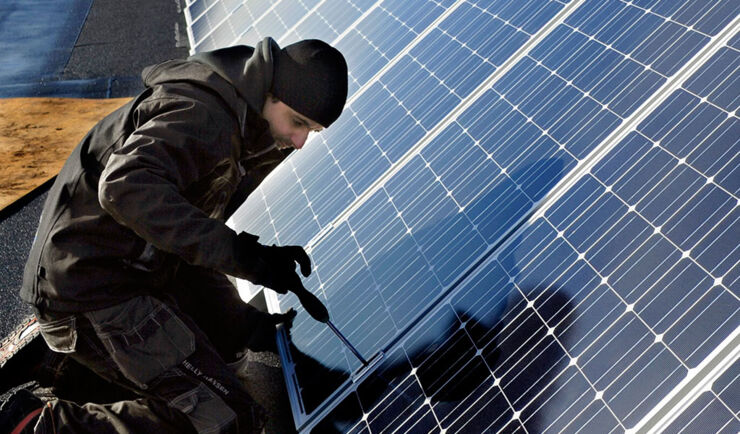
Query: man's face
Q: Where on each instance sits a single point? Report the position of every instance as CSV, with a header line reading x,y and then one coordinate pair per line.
x,y
288,127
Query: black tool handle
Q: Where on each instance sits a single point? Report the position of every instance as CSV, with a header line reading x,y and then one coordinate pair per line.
x,y
312,304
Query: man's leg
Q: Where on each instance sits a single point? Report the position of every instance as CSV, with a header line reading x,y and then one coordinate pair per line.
x,y
153,349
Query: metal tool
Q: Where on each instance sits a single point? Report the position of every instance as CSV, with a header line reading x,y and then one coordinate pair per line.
x,y
318,311
346,342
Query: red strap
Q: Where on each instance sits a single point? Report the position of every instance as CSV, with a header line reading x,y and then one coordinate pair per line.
x,y
19,428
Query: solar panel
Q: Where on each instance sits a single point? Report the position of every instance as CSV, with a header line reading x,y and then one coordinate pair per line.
x,y
531,209
715,409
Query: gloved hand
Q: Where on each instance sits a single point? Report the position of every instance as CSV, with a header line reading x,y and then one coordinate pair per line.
x,y
284,318
274,266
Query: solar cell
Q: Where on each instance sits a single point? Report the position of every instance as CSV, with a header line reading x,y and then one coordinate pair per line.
x,y
726,387
531,207
706,414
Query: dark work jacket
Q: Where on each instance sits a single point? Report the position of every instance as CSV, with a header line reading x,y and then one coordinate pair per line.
x,y
152,184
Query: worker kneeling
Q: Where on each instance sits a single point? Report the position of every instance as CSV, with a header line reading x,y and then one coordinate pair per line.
x,y
127,273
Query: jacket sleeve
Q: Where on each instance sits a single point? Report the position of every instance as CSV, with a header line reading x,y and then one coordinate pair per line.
x,y
176,142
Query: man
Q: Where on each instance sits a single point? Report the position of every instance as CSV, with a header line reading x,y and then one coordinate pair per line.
x,y
127,271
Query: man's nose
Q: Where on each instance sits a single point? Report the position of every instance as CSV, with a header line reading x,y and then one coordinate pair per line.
x,y
299,139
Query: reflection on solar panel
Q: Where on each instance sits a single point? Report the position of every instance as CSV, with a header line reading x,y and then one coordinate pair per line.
x,y
531,209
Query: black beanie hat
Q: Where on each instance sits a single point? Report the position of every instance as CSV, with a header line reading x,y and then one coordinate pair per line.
x,y
311,77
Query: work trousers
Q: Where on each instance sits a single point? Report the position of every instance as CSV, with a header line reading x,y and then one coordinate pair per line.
x,y
149,346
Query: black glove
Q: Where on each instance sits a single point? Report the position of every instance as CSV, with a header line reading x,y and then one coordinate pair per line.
x,y
284,318
273,266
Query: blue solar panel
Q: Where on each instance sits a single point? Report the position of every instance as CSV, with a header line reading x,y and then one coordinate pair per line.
x,y
197,7
715,410
706,414
464,120
727,387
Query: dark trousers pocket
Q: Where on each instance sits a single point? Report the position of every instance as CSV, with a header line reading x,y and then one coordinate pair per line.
x,y
144,338
60,334
207,411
